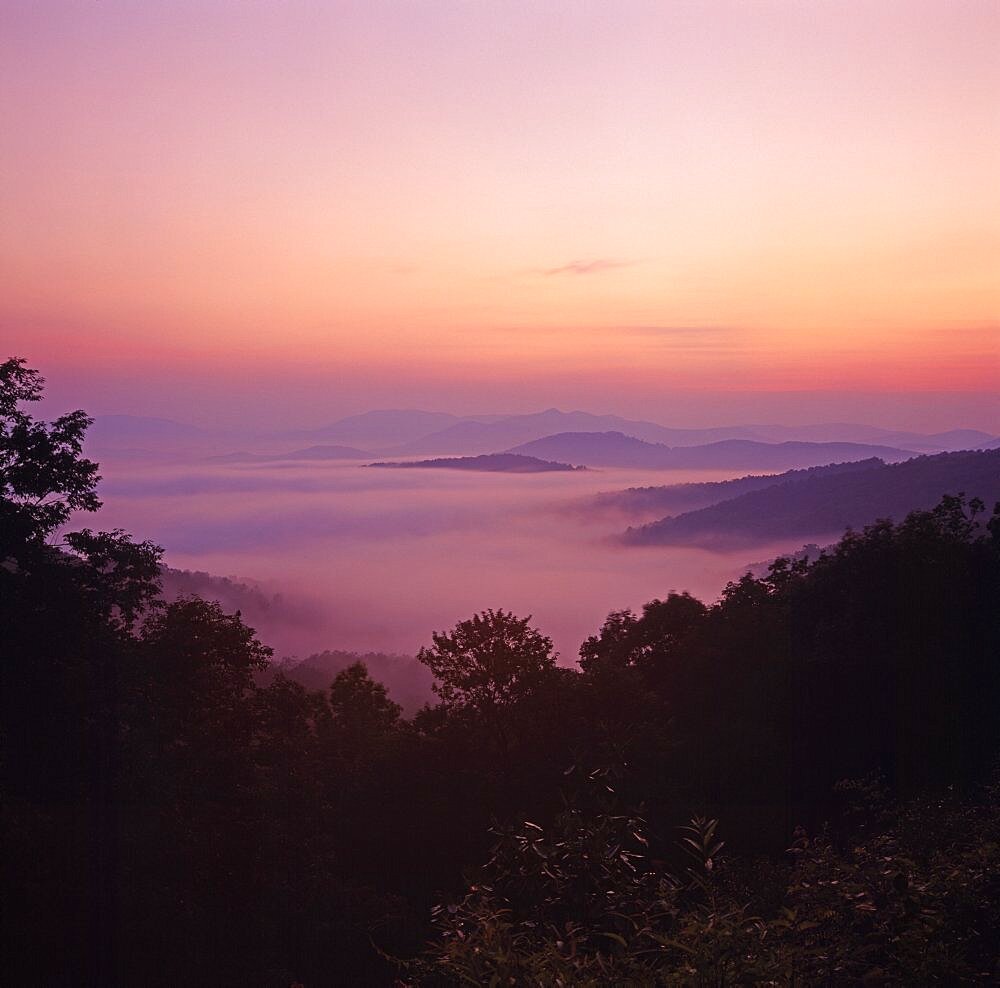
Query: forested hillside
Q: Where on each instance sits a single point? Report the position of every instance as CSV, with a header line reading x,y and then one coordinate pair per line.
x,y
827,504
793,784
675,498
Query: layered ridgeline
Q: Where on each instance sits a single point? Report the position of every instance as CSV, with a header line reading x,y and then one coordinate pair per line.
x,y
615,449
485,435
828,502
402,433
413,432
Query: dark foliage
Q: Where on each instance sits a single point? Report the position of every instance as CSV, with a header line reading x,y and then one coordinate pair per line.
x,y
43,476
913,898
675,498
176,811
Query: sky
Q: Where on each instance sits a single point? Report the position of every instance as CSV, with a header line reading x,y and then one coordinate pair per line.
x,y
697,212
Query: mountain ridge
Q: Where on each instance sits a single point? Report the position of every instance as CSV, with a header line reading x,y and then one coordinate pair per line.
x,y
827,505
615,449
406,432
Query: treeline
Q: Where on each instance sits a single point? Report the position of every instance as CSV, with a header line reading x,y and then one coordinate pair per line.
x,y
170,819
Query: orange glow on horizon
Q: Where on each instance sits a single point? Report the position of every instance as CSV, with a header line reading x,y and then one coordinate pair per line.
x,y
716,195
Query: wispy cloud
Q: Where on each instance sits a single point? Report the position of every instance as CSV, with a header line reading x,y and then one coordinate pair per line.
x,y
689,337
679,332
588,267
718,339
688,349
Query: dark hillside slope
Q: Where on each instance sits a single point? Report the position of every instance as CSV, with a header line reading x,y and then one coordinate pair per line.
x,y
829,504
688,497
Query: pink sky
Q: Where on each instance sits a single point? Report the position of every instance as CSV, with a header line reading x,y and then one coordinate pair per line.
x,y
691,210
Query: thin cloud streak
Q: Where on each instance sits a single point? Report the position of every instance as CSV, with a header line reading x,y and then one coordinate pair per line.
x,y
701,334
717,340
588,267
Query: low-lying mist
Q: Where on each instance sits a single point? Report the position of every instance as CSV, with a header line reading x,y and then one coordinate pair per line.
x,y
374,560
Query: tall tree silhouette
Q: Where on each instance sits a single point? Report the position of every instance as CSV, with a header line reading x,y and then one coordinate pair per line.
x,y
43,473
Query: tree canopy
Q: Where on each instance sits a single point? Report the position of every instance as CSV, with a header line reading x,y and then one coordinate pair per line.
x,y
44,476
488,662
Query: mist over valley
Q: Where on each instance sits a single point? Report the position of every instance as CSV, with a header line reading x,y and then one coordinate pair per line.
x,y
373,560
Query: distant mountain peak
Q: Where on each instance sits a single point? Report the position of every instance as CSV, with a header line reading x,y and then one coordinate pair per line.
x,y
616,449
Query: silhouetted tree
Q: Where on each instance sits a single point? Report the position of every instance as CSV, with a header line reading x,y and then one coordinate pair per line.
x,y
488,662
360,705
43,474
646,641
